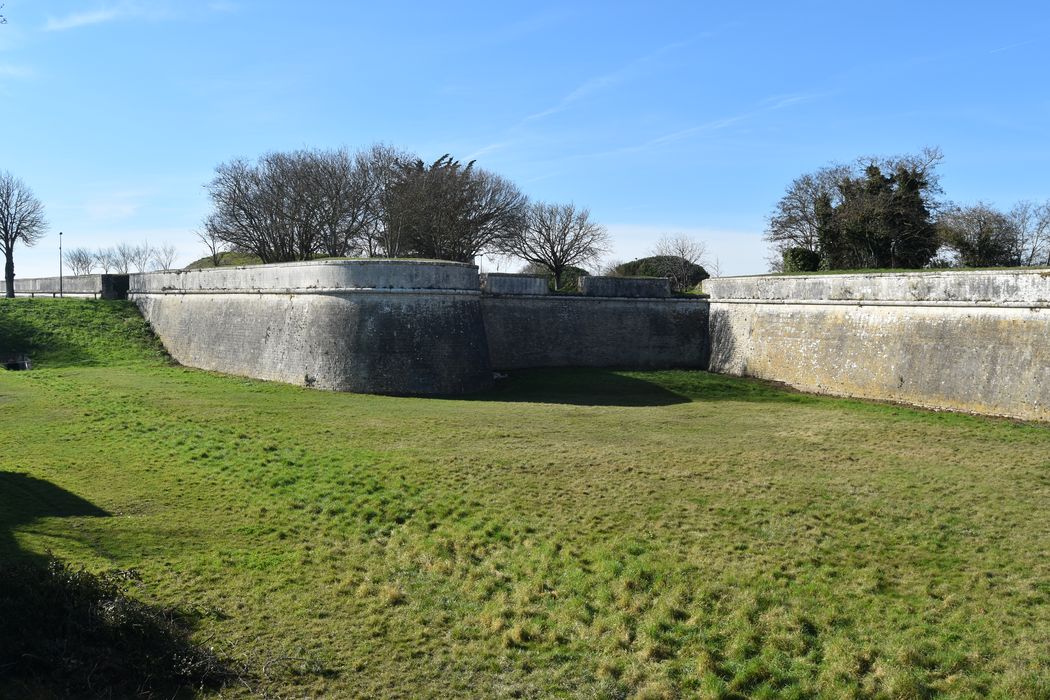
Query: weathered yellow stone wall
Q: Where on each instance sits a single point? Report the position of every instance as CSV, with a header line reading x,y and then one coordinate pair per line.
x,y
869,336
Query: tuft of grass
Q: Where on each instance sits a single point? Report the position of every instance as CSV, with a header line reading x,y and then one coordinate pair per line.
x,y
572,533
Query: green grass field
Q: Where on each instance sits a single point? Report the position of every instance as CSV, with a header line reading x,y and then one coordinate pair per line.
x,y
582,534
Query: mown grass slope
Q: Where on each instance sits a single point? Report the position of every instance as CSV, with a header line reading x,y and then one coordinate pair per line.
x,y
573,533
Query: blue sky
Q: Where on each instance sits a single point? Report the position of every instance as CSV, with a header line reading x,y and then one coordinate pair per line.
x,y
661,117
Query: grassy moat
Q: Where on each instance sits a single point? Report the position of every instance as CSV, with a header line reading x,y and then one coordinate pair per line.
x,y
583,534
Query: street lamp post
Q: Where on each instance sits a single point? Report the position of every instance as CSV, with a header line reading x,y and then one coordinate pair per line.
x,y
60,263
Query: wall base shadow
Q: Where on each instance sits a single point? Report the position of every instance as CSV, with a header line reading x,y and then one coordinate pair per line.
x,y
579,387
605,387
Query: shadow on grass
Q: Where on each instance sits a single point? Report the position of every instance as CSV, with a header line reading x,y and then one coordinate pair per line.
x,y
602,387
65,632
19,337
24,498
580,387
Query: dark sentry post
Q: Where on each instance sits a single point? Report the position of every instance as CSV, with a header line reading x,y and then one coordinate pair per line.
x,y
59,263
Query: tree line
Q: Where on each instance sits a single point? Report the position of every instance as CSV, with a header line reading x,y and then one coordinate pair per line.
x,y
888,213
384,202
121,259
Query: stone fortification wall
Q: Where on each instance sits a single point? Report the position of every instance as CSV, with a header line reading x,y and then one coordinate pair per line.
x,y
371,326
95,286
509,283
629,332
973,341
635,287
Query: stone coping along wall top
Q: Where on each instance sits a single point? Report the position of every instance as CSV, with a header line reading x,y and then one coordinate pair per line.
x,y
372,274
994,287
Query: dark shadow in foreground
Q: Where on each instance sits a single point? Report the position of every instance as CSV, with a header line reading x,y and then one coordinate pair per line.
x,y
65,632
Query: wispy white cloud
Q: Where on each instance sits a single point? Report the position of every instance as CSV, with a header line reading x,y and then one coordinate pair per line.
x,y
1017,45
605,81
769,104
11,70
484,150
115,206
85,19
709,127
126,10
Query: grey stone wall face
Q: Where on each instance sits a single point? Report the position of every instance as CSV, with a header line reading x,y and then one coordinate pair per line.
x,y
574,331
103,286
506,283
994,287
971,341
629,287
378,327
314,276
974,341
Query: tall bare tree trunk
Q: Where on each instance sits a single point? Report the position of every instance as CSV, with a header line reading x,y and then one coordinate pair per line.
x,y
9,274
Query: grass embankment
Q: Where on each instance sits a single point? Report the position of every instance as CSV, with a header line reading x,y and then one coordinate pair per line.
x,y
575,533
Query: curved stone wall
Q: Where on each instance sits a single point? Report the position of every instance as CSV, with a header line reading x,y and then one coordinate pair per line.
x,y
371,326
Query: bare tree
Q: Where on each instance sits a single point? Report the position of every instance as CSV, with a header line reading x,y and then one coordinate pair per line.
x,y
349,193
684,254
164,256
378,168
979,235
216,246
123,258
1032,223
795,222
286,206
812,202
141,256
107,259
449,211
21,221
80,261
557,236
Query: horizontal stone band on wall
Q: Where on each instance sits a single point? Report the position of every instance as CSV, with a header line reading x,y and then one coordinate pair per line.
x,y
994,287
370,274
943,342
394,327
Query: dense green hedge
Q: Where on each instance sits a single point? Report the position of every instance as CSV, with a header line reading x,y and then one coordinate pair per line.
x,y
684,275
801,260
